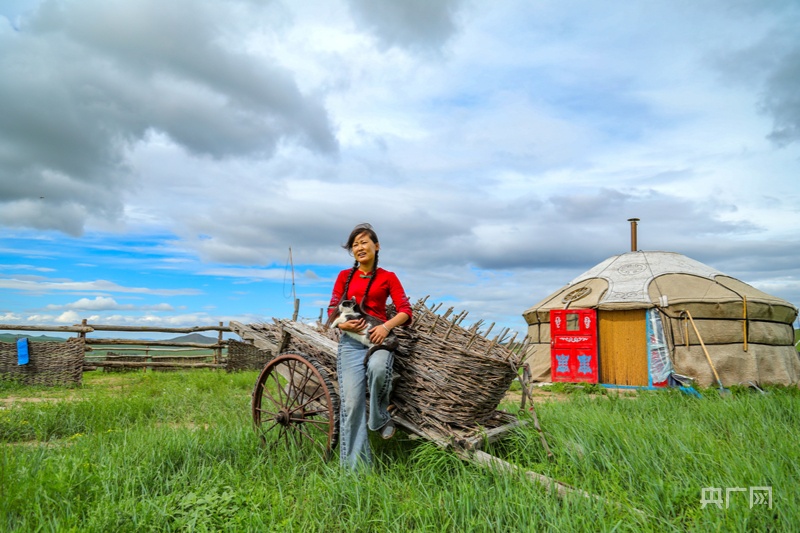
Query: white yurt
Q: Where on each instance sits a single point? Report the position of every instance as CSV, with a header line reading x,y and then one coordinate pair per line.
x,y
640,317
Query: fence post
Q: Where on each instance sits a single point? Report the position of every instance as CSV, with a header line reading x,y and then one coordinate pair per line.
x,y
218,349
82,337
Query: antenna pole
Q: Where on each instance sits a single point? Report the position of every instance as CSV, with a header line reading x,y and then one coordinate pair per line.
x,y
294,294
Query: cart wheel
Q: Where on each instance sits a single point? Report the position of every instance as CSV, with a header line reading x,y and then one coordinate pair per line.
x,y
294,403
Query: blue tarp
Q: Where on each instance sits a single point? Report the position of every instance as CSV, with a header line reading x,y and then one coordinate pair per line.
x,y
22,351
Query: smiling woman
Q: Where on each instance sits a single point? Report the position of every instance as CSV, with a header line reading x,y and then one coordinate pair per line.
x,y
359,371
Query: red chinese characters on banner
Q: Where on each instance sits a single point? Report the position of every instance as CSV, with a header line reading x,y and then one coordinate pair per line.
x,y
573,345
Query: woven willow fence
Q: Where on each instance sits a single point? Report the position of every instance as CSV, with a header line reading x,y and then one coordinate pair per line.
x,y
245,356
49,363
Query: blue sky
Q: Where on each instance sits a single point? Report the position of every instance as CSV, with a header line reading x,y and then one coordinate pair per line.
x,y
158,160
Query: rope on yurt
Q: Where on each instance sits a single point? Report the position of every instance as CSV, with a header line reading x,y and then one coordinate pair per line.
x,y
745,324
744,321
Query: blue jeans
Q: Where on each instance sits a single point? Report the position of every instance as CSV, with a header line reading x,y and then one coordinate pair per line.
x,y
354,381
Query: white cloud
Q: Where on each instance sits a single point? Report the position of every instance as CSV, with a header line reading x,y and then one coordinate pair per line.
x,y
69,317
101,303
26,267
87,286
87,72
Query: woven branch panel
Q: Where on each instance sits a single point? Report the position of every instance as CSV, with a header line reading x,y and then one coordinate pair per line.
x,y
245,356
449,375
49,363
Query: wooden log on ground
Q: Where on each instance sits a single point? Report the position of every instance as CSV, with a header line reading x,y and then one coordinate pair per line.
x,y
550,485
493,435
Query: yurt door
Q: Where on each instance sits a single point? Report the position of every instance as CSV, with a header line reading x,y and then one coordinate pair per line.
x,y
623,347
573,345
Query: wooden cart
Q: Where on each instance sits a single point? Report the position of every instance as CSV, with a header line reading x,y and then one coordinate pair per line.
x,y
448,382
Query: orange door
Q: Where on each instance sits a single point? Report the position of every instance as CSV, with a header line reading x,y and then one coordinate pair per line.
x,y
573,345
623,347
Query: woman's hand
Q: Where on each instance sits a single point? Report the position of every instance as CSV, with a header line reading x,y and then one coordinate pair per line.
x,y
355,325
378,334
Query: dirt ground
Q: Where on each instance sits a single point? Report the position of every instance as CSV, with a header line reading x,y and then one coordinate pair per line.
x,y
537,396
7,402
57,395
541,395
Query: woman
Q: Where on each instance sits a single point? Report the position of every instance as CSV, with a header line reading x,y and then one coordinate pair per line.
x,y
371,286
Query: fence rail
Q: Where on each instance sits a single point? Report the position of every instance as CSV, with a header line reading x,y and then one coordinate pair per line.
x,y
85,327
135,342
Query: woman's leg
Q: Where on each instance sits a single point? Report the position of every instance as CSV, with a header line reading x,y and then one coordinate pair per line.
x,y
353,438
379,381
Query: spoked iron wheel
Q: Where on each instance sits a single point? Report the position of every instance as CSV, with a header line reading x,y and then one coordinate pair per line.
x,y
294,403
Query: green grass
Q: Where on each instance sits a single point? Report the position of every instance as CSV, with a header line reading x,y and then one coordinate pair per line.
x,y
176,452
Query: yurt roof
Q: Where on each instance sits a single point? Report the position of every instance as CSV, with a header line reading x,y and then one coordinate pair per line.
x,y
637,280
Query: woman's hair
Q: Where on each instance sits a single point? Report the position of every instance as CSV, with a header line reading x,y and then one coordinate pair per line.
x,y
358,230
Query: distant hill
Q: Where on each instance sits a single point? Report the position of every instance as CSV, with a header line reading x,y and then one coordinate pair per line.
x,y
12,337
195,337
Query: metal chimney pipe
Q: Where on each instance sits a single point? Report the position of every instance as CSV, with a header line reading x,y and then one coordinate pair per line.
x,y
634,245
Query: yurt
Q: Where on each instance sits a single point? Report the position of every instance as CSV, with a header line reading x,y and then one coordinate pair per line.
x,y
639,318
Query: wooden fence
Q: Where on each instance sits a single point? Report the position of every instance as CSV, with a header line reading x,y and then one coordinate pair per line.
x,y
148,351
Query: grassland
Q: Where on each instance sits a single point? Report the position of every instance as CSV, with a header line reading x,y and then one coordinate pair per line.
x,y
176,452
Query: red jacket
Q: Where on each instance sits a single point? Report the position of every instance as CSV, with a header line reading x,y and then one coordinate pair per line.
x,y
386,285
